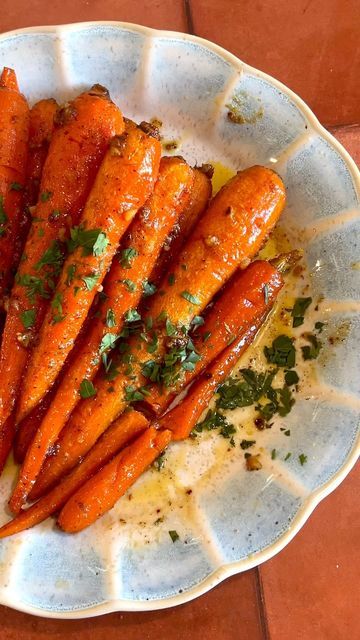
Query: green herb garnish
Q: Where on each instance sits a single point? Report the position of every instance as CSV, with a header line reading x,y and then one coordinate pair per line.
x,y
190,297
148,288
246,444
282,352
311,352
56,305
108,341
126,257
174,535
28,318
132,315
87,389
298,310
302,459
92,241
16,186
291,378
110,319
45,196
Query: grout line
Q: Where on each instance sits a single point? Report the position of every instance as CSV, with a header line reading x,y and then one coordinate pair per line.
x,y
189,17
264,626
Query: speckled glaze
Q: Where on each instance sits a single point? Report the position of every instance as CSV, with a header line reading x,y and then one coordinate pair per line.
x,y
233,520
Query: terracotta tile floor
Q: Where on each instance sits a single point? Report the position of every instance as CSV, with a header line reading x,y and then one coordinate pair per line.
x,y
308,592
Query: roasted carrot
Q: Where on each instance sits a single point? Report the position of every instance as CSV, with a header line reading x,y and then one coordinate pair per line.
x,y
42,116
124,182
234,311
83,131
242,212
27,428
14,134
127,427
123,287
99,494
199,199
184,416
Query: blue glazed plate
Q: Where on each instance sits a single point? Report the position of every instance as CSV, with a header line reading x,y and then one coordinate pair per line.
x,y
232,520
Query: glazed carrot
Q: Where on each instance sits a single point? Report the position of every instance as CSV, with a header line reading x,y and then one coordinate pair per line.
x,y
123,286
234,311
99,494
83,131
199,199
6,438
27,428
128,426
241,214
124,182
14,134
182,419
42,116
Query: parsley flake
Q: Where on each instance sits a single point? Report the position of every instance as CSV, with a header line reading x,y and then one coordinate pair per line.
x,y
90,281
127,256
28,318
190,297
87,389
281,352
110,319
174,535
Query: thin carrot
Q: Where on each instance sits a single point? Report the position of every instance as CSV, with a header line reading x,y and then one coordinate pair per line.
x,y
199,199
27,428
124,284
42,116
83,131
234,311
241,215
14,134
127,427
124,182
184,416
99,494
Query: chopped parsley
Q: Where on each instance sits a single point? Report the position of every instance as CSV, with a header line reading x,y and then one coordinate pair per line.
x,y
132,315
129,284
87,389
56,305
302,459
159,463
215,420
246,444
190,297
3,217
35,286
246,391
52,257
16,186
266,293
28,318
319,326
171,279
110,319
148,288
273,454
90,281
281,352
70,273
311,352
298,310
132,394
174,535
126,257
92,241
197,321
45,196
288,455
291,378
108,342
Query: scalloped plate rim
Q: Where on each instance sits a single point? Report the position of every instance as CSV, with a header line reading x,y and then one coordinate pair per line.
x,y
225,571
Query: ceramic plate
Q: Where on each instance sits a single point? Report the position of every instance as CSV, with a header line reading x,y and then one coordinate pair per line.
x,y
233,519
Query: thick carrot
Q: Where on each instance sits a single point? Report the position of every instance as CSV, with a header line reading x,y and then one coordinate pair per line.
x,y
242,212
124,182
199,199
14,134
123,286
81,137
128,426
234,311
42,116
99,494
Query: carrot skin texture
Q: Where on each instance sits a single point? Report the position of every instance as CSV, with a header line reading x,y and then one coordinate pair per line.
x,y
14,135
125,180
99,494
255,198
127,427
78,144
199,199
233,312
42,116
146,237
28,427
